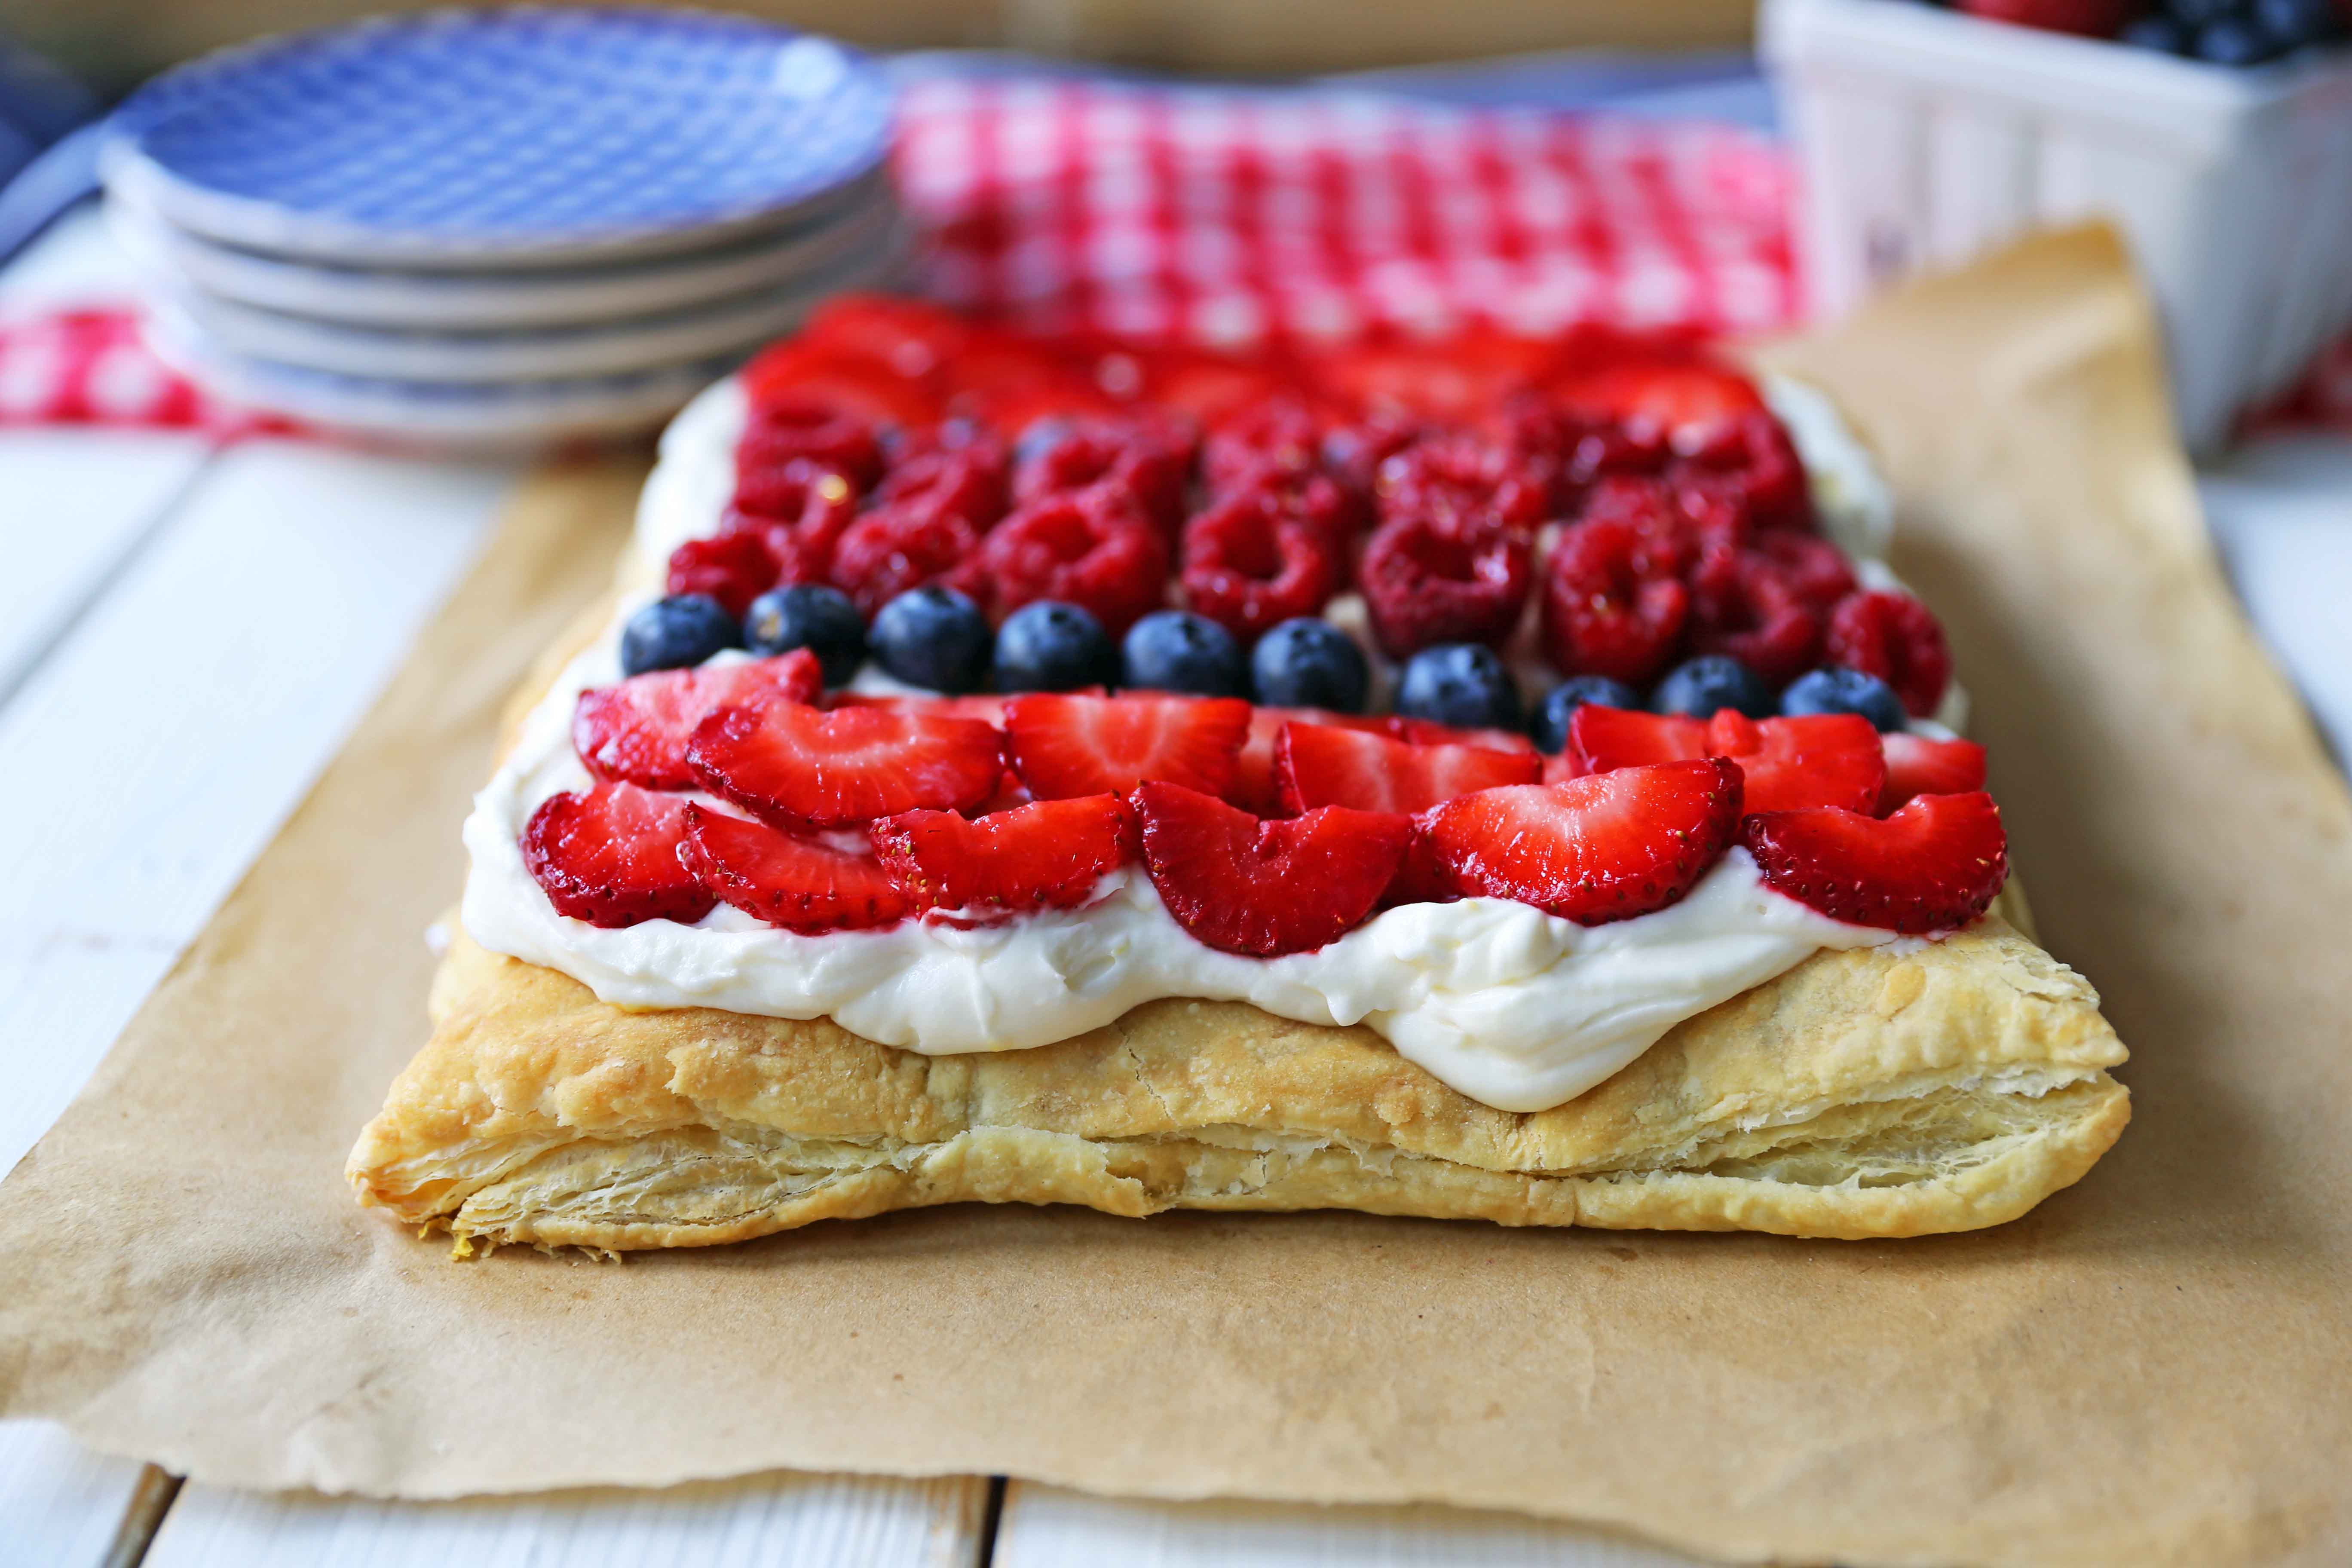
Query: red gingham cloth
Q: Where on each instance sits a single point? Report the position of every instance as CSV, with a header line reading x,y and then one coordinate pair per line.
x,y
1218,216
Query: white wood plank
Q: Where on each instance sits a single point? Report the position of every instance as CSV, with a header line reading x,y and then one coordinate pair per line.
x,y
769,1521
1048,1527
60,1504
74,505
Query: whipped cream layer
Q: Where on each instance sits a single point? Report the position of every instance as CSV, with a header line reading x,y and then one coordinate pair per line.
x,y
1516,1008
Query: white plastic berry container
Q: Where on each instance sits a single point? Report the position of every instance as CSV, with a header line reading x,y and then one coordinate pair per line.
x,y
1928,135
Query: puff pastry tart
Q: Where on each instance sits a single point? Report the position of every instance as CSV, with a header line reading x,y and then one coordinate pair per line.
x,y
1027,771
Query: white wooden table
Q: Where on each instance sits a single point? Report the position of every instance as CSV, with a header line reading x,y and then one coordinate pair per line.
x,y
187,632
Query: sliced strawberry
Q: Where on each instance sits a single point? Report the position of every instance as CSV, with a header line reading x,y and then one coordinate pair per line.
x,y
1688,401
1828,759
1265,887
1063,745
799,884
914,339
1430,733
1047,854
984,706
1421,877
637,730
1933,865
1323,764
1603,847
1916,766
1897,638
800,767
610,857
1458,379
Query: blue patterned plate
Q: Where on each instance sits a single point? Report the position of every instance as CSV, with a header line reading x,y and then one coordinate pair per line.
x,y
513,138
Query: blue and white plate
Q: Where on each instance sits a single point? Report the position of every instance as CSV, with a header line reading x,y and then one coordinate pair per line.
x,y
440,416
734,326
173,260
514,137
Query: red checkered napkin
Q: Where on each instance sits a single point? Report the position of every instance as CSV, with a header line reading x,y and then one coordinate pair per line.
x,y
1220,216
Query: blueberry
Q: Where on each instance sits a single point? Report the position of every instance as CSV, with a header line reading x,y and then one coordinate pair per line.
x,y
2165,35
1175,650
1462,684
1305,662
2195,13
809,615
1049,646
677,634
1835,688
2234,41
1559,707
2295,23
1710,681
933,638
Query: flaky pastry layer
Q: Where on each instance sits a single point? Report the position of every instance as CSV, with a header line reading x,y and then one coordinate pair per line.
x,y
1936,1087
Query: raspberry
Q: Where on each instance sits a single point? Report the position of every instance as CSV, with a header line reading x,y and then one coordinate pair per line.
x,y
1425,584
1753,456
1817,569
1354,453
1669,540
1277,437
732,568
1247,564
1744,605
1093,549
1152,461
1460,481
1609,606
798,512
968,480
779,431
892,549
1596,447
1894,637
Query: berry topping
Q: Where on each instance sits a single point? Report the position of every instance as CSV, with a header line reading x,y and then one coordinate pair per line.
x,y
782,433
1743,605
800,884
1836,690
1460,684
1916,766
1427,583
1065,745
800,519
1092,548
1709,682
1830,759
1175,650
1933,865
1049,855
1894,637
1323,764
1247,566
637,730
610,857
1149,462
1604,848
953,470
1242,885
1461,485
1048,646
933,638
733,568
1558,709
799,767
1612,605
1309,663
677,634
811,616
891,550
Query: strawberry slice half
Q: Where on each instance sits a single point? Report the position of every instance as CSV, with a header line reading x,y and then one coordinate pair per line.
x,y
799,884
610,856
798,767
1247,886
1063,745
1325,764
1817,759
1933,865
1048,855
637,730
1916,766
1606,846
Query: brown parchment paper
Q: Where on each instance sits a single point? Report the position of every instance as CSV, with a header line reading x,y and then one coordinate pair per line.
x,y
2154,1367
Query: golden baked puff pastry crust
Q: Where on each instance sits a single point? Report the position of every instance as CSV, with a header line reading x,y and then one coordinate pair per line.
x,y
1879,1093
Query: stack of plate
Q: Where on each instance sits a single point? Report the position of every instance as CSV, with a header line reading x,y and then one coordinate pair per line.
x,y
499,228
